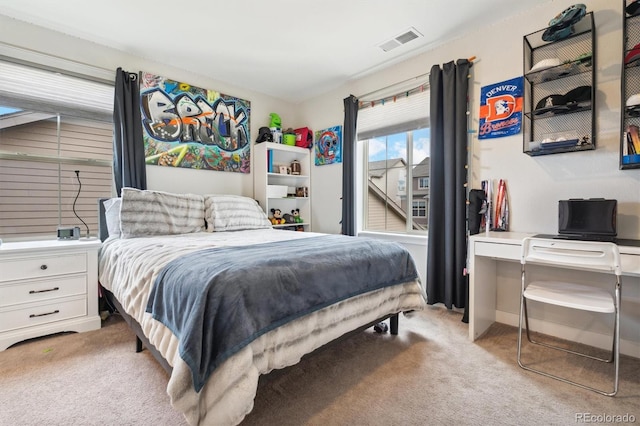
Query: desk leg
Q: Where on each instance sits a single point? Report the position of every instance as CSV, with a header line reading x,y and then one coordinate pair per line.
x,y
482,294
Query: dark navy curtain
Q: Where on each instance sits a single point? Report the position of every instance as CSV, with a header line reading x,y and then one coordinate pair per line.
x,y
349,166
447,242
128,146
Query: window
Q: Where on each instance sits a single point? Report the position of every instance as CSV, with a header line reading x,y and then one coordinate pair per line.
x,y
419,208
394,140
392,161
50,126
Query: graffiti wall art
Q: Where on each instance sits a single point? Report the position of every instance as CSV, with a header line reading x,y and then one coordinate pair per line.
x,y
187,126
328,146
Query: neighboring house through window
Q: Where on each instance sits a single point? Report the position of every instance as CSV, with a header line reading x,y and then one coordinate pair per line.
x,y
45,136
421,192
394,140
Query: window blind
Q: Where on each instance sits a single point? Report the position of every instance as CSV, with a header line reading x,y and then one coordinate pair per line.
x,y
404,114
42,90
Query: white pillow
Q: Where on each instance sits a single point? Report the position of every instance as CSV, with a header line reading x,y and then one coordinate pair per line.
x,y
145,212
234,213
112,216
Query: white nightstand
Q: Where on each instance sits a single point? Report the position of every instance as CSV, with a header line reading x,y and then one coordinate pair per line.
x,y
47,287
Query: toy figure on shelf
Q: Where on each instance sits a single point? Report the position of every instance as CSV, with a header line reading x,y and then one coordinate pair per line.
x,y
276,217
275,120
296,216
275,126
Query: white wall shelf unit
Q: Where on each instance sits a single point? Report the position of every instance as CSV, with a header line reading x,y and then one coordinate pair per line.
x,y
283,191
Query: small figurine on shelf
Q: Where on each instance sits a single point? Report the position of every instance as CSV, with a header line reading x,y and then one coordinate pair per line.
x,y
275,126
296,216
288,218
264,135
275,120
276,217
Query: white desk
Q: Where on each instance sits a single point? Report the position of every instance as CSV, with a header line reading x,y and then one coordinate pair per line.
x,y
486,250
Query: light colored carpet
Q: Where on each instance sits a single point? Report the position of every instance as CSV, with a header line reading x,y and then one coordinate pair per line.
x,y
428,374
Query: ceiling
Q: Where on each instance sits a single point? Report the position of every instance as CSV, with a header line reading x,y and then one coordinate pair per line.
x,y
289,49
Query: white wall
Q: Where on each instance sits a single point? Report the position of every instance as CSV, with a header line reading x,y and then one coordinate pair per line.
x,y
535,184
32,38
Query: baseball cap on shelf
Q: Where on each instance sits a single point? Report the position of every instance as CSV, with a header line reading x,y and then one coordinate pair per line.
x,y
579,96
545,64
551,103
633,8
633,105
561,26
632,55
569,16
557,33
633,100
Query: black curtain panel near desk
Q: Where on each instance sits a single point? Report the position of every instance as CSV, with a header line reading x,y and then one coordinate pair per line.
x,y
447,243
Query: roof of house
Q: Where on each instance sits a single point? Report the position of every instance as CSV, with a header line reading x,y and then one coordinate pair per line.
x,y
393,207
378,168
422,169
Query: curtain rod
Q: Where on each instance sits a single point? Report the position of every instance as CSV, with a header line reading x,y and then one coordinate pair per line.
x,y
393,85
471,59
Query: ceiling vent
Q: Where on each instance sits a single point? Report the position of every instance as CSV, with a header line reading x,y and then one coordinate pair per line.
x,y
404,37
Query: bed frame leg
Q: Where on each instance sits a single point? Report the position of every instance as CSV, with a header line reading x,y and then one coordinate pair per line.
x,y
393,324
138,345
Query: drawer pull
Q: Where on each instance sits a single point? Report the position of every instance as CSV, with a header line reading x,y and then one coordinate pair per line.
x,y
43,267
44,291
45,314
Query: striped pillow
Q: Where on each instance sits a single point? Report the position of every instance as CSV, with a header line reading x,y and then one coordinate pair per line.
x,y
145,212
233,213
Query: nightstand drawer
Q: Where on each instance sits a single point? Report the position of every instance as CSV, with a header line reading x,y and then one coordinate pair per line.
x,y
42,266
38,290
12,318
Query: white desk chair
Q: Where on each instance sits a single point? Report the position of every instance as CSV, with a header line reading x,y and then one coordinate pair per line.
x,y
583,255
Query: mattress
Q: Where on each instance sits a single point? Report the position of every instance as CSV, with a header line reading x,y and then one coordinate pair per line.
x,y
128,268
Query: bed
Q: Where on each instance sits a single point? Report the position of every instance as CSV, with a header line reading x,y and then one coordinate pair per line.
x,y
219,297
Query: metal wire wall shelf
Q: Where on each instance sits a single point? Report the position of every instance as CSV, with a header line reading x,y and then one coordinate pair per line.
x,y
554,122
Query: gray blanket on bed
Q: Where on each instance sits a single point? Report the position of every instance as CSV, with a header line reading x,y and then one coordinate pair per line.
x,y
216,301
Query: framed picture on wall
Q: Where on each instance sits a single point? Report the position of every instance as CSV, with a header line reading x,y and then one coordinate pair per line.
x,y
328,146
